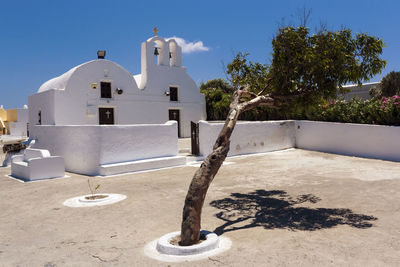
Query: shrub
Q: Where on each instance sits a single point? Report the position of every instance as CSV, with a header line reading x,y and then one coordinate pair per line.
x,y
390,84
377,110
384,111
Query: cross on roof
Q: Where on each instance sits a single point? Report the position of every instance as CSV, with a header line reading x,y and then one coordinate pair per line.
x,y
155,30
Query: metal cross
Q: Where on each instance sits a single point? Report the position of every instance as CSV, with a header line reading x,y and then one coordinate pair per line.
x,y
155,30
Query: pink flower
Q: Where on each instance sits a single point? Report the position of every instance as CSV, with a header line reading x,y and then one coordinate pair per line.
x,y
396,97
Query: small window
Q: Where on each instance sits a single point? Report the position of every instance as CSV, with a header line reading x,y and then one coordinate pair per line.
x,y
105,89
39,117
173,94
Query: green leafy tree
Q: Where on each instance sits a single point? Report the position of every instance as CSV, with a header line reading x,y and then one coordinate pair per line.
x,y
218,94
243,72
311,66
305,69
390,84
217,84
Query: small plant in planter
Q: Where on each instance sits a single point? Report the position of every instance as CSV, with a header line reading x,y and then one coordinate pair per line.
x,y
93,195
94,198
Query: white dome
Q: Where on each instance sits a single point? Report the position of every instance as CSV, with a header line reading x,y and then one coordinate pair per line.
x,y
60,82
57,83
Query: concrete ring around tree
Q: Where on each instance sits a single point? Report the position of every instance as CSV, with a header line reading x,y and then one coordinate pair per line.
x,y
161,249
81,201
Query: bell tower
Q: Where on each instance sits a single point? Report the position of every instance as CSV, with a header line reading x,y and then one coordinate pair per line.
x,y
159,54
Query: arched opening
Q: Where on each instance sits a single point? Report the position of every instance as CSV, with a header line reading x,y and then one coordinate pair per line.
x,y
156,53
159,52
172,53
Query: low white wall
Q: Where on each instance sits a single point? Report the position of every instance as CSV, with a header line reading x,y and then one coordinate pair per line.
x,y
363,140
18,128
85,147
249,137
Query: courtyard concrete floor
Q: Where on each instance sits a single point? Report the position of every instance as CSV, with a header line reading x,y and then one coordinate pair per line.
x,y
285,208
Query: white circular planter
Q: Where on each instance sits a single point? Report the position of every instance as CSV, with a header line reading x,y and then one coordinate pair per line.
x,y
161,249
164,245
81,201
86,198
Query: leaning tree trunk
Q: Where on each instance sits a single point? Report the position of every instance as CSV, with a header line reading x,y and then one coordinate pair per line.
x,y
190,228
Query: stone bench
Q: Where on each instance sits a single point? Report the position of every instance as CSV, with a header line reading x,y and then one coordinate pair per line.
x,y
37,164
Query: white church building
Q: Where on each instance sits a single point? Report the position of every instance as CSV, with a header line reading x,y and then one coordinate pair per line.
x,y
102,92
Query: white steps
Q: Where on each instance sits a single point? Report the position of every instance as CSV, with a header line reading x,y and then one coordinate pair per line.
x,y
141,165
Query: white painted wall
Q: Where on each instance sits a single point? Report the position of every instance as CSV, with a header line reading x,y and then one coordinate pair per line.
x,y
20,127
249,137
45,103
17,128
360,91
362,140
85,148
23,115
70,100
79,146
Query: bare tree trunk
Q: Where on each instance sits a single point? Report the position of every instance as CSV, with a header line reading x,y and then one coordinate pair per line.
x,y
191,220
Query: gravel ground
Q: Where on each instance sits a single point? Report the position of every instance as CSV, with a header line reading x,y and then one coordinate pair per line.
x,y
286,208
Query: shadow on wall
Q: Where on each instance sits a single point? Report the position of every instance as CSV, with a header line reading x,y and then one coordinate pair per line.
x,y
276,209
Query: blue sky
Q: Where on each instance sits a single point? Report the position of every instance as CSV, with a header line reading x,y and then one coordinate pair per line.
x,y
43,39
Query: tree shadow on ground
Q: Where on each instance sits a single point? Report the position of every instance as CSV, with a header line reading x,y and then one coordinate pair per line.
x,y
276,209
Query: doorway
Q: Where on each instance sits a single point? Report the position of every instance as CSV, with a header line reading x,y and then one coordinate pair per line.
x,y
106,115
175,116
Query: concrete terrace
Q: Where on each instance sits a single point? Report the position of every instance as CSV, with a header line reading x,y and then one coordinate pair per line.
x,y
287,208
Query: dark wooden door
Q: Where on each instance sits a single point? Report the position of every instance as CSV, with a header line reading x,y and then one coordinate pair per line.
x,y
174,116
194,129
106,115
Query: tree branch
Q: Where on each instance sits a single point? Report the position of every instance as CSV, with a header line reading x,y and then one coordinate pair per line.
x,y
262,100
265,88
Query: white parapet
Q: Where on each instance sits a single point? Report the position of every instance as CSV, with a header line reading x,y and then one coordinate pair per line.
x,y
249,137
88,149
362,140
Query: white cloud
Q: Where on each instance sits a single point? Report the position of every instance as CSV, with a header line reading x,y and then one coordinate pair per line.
x,y
189,47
